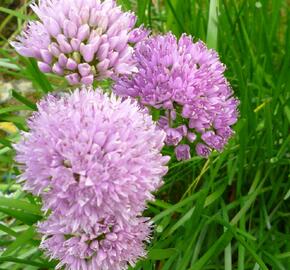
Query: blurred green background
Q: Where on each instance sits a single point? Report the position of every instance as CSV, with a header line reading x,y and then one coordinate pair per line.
x,y
230,212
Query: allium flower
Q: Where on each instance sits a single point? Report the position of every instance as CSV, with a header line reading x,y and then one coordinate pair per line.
x,y
182,152
185,81
87,153
202,150
173,136
82,40
109,244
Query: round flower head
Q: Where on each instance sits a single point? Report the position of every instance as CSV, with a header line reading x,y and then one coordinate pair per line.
x,y
109,244
185,81
88,153
82,40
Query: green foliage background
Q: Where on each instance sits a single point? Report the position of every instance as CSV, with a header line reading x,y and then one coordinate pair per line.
x,y
230,212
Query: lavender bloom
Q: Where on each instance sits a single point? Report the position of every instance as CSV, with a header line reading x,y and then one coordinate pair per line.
x,y
213,140
191,137
202,150
82,40
108,244
173,136
186,79
182,152
138,34
87,154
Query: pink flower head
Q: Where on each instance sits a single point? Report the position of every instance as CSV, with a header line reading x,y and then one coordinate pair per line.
x,y
82,40
109,243
186,79
88,153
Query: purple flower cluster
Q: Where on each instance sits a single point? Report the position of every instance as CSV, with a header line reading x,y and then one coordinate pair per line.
x,y
82,41
107,244
185,82
95,160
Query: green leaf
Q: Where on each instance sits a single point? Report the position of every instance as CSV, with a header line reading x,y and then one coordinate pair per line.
x,y
8,65
19,241
175,207
8,230
21,215
161,254
212,28
15,13
15,108
5,142
215,195
38,77
4,150
24,100
245,244
14,119
213,251
21,205
126,4
141,11
175,15
28,262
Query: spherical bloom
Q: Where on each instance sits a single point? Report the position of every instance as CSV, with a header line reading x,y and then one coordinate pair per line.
x,y
87,153
82,40
185,81
108,244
